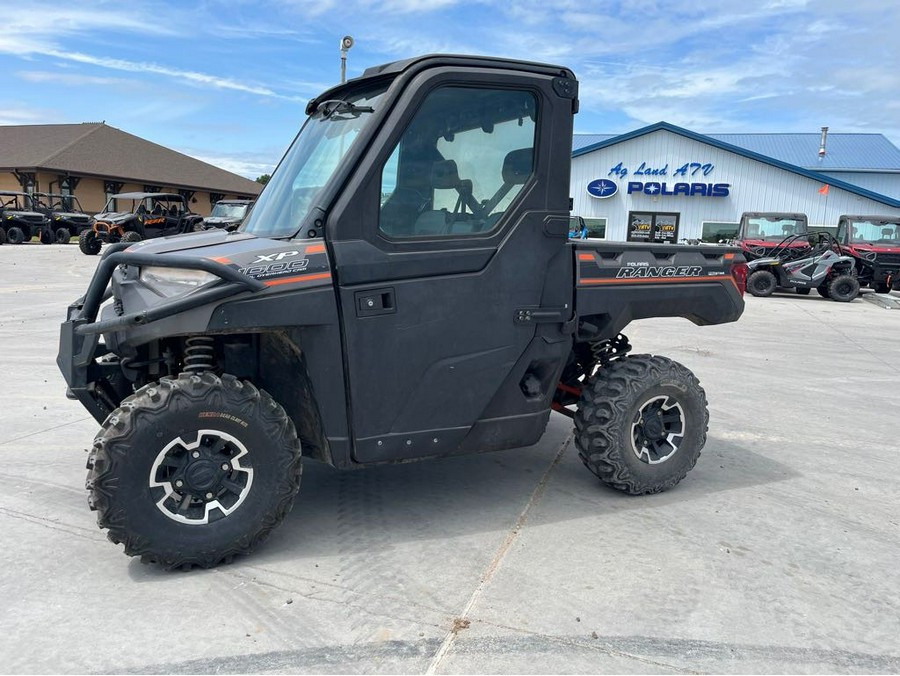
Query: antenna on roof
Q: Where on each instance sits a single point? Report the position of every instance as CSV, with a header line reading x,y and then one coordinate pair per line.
x,y
346,43
822,143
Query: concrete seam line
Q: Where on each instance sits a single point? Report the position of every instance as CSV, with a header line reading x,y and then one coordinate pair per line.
x,y
507,544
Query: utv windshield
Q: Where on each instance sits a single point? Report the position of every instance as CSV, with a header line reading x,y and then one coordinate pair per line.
x,y
229,210
773,229
875,232
310,163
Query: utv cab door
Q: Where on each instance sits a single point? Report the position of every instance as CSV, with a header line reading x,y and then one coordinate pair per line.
x,y
455,278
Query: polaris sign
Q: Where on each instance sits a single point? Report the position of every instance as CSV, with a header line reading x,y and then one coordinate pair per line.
x,y
653,188
602,188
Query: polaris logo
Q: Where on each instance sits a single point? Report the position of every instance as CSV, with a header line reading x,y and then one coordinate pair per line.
x,y
602,188
687,189
660,272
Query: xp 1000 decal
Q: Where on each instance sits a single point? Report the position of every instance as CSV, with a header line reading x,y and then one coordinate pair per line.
x,y
288,265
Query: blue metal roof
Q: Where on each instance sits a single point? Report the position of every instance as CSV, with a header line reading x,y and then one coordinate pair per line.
x,y
844,152
868,152
580,141
751,154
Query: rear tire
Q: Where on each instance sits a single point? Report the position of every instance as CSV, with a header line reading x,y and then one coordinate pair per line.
x,y
843,288
194,470
762,283
63,236
641,423
45,237
88,243
15,235
2,236
822,290
881,287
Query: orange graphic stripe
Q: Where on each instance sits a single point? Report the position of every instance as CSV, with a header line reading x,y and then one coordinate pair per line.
x,y
315,248
300,278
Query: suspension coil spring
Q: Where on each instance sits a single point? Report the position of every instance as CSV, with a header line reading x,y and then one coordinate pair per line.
x,y
199,354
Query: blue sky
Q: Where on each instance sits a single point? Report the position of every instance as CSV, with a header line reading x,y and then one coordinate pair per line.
x,y
227,81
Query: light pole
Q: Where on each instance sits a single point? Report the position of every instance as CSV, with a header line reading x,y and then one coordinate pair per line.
x,y
346,44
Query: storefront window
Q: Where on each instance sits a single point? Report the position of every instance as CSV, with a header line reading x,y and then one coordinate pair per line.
x,y
596,227
653,227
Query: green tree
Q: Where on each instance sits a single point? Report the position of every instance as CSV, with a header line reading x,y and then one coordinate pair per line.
x,y
263,179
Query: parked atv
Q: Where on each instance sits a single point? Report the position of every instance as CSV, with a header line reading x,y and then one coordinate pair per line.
x,y
66,218
874,243
19,220
762,233
825,269
227,215
134,216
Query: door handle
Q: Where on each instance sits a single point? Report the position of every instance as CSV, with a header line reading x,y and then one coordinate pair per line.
x,y
375,302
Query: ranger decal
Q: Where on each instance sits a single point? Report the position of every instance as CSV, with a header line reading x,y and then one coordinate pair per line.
x,y
646,271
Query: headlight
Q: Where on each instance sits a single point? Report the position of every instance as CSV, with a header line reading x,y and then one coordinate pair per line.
x,y
169,282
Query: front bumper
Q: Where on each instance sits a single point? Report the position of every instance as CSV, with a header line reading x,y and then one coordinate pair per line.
x,y
86,363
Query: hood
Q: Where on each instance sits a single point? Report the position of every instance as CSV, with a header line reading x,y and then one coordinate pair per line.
x,y
28,215
274,261
113,216
876,248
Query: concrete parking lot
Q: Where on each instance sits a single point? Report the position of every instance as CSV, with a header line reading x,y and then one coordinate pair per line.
x,y
778,553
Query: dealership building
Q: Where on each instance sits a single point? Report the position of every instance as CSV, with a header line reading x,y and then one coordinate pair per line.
x,y
665,183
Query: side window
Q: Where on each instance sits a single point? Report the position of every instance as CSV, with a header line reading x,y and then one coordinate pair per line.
x,y
460,163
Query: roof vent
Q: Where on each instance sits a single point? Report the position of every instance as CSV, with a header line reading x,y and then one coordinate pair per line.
x,y
822,142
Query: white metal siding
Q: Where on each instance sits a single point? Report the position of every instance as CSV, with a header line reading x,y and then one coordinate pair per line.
x,y
754,186
884,183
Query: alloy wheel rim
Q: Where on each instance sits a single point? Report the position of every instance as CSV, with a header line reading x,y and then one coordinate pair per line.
x,y
201,481
658,429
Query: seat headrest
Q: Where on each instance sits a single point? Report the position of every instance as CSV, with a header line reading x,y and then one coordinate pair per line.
x,y
444,175
517,166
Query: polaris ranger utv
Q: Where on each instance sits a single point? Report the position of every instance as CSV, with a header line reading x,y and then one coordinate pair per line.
x,y
65,217
762,233
403,288
227,215
874,241
135,216
19,220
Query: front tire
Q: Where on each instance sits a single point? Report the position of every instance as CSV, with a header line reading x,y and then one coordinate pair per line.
x,y
89,243
761,283
194,470
15,235
641,423
132,236
63,236
843,288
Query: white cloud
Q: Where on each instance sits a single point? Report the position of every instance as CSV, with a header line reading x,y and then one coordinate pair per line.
x,y
248,165
72,79
193,77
